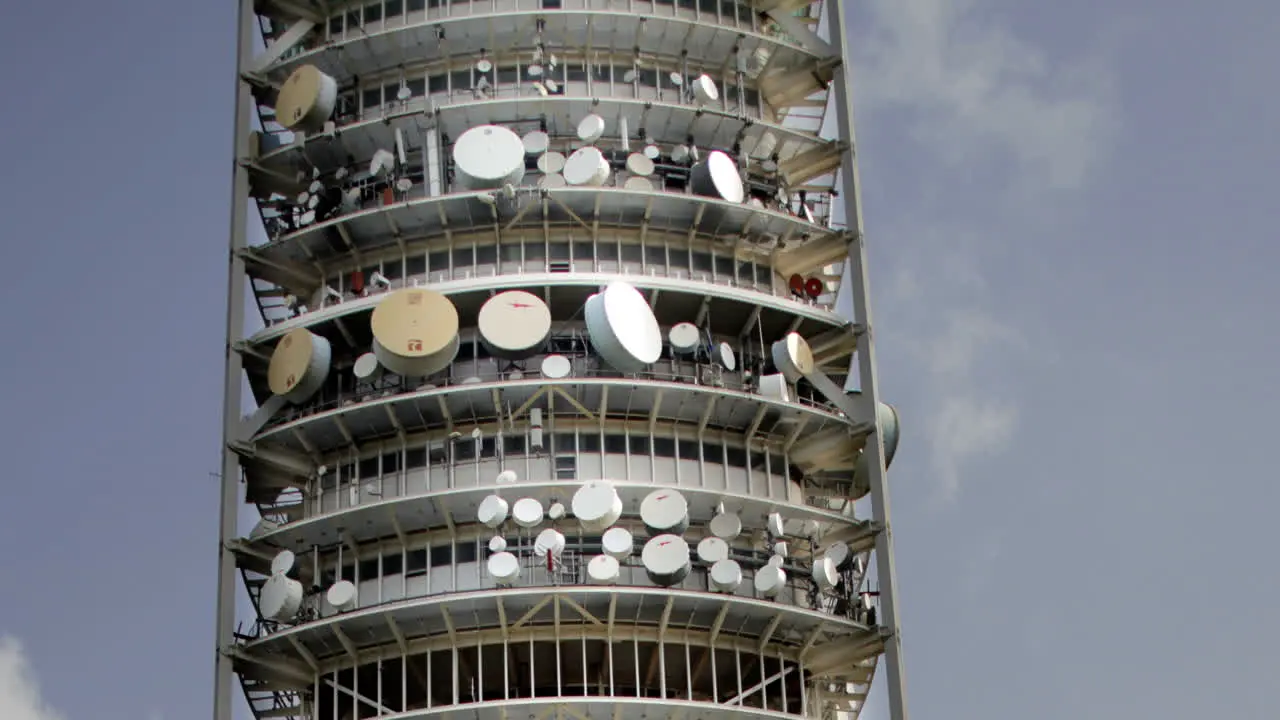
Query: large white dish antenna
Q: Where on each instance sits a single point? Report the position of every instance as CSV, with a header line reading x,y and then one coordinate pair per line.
x,y
415,332
726,575
503,567
597,505
487,157
623,328
665,511
587,166
299,365
527,512
770,580
306,99
666,559
492,511
342,596
618,542
684,338
713,550
280,598
603,570
514,324
716,176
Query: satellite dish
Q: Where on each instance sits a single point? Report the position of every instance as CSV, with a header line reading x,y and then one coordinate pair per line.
x,y
713,550
503,567
492,511
603,570
665,511
666,560
342,596
527,512
618,543
726,575
597,505
280,598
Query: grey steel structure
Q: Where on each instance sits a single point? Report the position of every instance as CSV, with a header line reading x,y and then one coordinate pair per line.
x,y
377,480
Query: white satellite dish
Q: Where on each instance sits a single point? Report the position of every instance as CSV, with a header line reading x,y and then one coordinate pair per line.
x,y
603,570
775,524
684,338
587,166
506,477
665,511
624,331
713,550
503,567
513,325
597,505
726,525
726,575
536,142
342,596
497,544
618,542
770,580
666,560
488,157
705,91
825,574
283,562
639,164
556,367
280,598
492,511
718,177
551,162
548,543
591,128
527,512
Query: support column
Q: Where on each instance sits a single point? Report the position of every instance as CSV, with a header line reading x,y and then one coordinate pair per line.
x,y
842,89
224,676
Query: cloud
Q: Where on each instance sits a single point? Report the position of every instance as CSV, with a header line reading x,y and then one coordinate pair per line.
x,y
971,86
19,692
997,120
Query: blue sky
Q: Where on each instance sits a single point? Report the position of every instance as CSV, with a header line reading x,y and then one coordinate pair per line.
x,y
1072,257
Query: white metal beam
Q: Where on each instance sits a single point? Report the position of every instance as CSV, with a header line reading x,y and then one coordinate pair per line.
x,y
281,45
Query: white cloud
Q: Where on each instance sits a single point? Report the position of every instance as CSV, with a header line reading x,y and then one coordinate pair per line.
x,y
973,86
19,692
998,121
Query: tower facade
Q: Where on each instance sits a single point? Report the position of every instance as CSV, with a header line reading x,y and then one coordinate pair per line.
x,y
563,389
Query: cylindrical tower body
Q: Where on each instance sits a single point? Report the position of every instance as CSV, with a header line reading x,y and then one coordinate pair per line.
x,y
522,426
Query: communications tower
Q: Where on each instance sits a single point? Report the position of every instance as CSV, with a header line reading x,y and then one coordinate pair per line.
x,y
563,388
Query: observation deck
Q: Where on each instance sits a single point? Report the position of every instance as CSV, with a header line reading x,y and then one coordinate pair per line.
x,y
563,391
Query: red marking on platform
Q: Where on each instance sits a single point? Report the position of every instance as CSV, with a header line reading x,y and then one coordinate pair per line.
x,y
520,305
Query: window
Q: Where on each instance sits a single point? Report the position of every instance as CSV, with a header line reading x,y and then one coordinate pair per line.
x,y
392,564
639,444
415,458
441,555
415,563
390,463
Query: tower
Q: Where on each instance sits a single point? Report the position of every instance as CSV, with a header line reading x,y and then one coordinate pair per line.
x,y
565,386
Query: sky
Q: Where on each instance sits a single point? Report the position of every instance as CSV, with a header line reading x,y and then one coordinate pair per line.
x,y
1071,257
